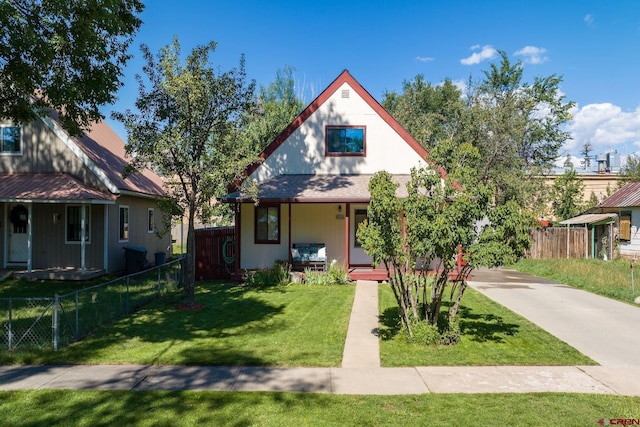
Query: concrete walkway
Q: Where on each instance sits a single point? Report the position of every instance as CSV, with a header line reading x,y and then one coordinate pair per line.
x,y
361,372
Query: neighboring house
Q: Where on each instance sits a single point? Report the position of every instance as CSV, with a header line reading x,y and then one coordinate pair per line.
x,y
313,179
626,203
52,183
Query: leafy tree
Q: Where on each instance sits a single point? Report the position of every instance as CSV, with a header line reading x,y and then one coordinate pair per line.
x,y
278,105
630,171
428,112
439,214
189,129
566,195
63,54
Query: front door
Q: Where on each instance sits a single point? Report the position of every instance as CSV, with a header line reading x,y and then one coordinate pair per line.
x,y
357,256
18,237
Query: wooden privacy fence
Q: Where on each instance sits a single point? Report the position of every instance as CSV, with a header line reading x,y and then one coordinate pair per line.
x,y
213,254
551,242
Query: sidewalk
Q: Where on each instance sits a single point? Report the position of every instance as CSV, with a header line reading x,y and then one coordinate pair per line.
x,y
360,372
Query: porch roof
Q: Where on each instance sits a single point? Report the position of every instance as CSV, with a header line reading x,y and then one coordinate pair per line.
x,y
591,219
316,189
45,187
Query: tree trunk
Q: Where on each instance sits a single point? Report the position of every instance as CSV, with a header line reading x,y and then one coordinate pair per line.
x,y
190,263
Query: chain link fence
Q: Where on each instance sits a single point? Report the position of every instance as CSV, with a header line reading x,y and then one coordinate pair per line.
x,y
40,323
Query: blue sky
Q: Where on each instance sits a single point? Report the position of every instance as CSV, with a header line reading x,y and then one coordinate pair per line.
x,y
594,45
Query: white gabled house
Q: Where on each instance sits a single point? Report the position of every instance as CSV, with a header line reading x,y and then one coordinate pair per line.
x,y
312,183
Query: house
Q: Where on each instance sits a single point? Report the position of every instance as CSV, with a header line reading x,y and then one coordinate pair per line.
x,y
626,203
313,180
51,183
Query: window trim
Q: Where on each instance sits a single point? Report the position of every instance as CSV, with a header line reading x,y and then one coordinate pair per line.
x,y
328,153
120,239
11,153
151,221
255,225
66,224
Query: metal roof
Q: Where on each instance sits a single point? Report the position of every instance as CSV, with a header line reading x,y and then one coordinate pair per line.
x,y
627,196
590,219
56,187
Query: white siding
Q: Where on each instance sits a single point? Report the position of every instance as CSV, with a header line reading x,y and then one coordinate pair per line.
x,y
303,152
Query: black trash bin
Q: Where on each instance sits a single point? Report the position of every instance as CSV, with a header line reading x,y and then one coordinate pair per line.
x,y
160,258
135,257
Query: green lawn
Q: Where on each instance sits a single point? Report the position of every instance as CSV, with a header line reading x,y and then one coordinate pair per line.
x,y
491,335
294,325
607,278
103,408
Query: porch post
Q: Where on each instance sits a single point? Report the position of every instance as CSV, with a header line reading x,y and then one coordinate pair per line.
x,y
289,232
83,234
238,237
106,239
29,237
347,212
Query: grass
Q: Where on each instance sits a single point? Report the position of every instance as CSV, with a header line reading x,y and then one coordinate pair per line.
x,y
101,408
611,279
293,325
491,335
24,288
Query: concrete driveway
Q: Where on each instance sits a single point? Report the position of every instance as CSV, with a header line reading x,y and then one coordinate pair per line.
x,y
605,330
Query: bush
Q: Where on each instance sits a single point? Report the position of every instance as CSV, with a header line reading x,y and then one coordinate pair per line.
x,y
277,275
336,274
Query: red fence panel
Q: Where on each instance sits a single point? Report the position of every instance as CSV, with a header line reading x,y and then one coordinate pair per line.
x,y
210,260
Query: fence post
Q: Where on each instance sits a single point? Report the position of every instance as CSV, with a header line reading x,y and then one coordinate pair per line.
x,y
77,317
56,323
127,294
10,324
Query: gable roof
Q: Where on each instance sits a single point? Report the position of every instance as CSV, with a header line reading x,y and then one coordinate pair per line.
x,y
103,152
344,77
626,197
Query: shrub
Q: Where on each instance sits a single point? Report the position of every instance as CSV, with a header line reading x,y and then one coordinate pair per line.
x,y
277,275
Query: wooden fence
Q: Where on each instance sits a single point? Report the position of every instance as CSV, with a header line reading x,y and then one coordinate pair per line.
x,y
210,260
552,242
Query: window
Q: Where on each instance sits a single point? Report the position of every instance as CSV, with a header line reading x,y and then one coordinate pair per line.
x,y
359,216
124,223
151,225
345,140
10,140
625,227
267,224
74,224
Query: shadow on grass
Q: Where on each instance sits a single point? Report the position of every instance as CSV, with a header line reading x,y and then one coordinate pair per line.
x,y
477,327
228,312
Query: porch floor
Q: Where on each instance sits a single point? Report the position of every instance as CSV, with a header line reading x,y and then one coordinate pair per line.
x,y
368,273
59,273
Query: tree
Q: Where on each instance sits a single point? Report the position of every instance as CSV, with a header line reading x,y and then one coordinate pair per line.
x,y
65,55
189,128
278,105
631,170
439,214
586,154
567,195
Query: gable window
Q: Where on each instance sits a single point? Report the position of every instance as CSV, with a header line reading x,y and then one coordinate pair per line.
x,y
151,225
267,224
345,140
124,223
74,224
10,140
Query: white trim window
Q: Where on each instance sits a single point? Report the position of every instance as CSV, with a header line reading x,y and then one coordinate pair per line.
x,y
123,223
151,224
10,140
73,224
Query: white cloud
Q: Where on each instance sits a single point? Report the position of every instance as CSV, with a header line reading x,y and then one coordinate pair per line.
x,y
533,54
424,58
606,127
486,52
589,19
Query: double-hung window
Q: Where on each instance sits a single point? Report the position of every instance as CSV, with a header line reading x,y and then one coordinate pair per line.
x,y
10,140
123,214
267,224
74,224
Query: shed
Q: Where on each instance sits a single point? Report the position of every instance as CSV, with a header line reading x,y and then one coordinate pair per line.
x,y
601,226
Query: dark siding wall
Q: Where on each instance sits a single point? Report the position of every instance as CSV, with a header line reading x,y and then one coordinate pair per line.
x,y
49,247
